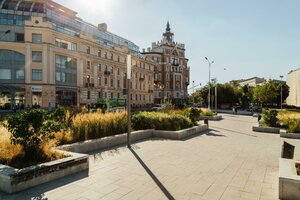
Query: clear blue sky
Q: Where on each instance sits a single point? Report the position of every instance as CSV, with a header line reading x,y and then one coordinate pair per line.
x,y
248,38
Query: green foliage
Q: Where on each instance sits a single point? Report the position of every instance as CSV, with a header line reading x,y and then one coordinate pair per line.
x,y
160,121
270,117
28,130
193,114
270,93
207,112
293,125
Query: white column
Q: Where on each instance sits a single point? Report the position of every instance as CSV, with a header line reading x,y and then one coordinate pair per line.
x,y
27,64
51,70
45,64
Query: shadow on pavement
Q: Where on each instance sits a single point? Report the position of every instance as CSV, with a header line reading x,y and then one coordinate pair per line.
x,y
154,178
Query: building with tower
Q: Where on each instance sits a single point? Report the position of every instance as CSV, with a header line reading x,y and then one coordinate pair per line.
x,y
172,73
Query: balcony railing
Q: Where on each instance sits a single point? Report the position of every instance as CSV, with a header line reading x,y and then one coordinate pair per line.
x,y
89,85
142,78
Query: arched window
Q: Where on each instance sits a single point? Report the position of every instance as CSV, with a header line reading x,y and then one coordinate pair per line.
x,y
12,65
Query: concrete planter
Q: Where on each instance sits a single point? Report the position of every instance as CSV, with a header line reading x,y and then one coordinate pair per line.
x,y
178,135
107,142
289,181
290,135
266,129
14,180
212,118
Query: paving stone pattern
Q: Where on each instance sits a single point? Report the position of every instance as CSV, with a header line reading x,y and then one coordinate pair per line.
x,y
228,162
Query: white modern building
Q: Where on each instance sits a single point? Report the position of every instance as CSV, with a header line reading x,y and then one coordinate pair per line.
x,y
293,81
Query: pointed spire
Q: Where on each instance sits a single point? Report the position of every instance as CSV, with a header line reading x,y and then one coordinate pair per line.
x,y
168,35
168,26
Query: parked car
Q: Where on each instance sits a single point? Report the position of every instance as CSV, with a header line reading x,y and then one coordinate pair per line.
x,y
157,107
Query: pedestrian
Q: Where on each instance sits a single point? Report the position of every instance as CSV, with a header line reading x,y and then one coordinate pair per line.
x,y
233,110
236,110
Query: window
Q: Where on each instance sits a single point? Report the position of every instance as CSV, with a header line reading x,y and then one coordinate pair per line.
x,y
88,94
66,70
112,70
36,74
65,44
118,71
20,74
99,53
99,67
99,95
99,81
36,38
105,54
112,82
19,37
118,83
105,81
88,64
5,74
112,95
37,56
88,50
111,56
118,58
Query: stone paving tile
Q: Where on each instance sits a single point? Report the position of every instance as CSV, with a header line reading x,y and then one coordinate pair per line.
x,y
228,162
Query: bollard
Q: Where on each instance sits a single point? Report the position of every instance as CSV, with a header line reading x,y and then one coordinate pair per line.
x,y
206,122
287,151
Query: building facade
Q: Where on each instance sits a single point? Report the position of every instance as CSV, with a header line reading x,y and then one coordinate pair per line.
x,y
293,81
171,68
251,82
50,57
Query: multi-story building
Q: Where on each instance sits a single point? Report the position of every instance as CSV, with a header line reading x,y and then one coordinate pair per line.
x,y
293,81
171,69
49,56
251,82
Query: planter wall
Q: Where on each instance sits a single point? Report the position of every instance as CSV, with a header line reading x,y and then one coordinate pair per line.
x,y
14,180
289,181
266,129
107,142
212,118
290,135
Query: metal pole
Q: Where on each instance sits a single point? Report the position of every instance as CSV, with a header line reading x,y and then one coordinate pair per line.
x,y
193,92
281,93
128,101
216,98
128,114
208,84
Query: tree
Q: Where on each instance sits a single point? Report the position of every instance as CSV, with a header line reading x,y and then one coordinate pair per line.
x,y
196,98
270,93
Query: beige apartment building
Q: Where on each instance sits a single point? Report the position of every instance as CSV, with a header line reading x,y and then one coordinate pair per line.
x,y
50,57
293,81
171,68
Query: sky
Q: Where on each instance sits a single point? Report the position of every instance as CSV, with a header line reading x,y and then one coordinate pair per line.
x,y
248,38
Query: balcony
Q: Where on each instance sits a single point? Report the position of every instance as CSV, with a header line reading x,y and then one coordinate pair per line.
x,y
142,78
150,91
89,85
106,72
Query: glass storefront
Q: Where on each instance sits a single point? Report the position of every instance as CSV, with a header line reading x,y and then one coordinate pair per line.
x,y
66,97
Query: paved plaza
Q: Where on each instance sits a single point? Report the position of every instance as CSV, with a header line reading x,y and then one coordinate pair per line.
x,y
227,162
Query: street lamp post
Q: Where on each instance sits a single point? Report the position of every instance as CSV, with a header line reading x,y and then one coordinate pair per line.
x,y
209,65
193,92
281,93
128,101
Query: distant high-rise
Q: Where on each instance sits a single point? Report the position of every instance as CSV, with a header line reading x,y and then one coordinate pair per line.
x,y
171,71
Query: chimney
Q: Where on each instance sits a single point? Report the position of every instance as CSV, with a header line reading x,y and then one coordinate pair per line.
x,y
143,50
102,27
148,49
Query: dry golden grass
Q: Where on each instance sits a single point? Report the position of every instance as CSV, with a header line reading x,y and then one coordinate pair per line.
x,y
8,151
285,115
87,126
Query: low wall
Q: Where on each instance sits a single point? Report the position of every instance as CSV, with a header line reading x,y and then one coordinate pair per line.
x,y
14,180
177,135
266,129
289,181
290,135
211,118
107,142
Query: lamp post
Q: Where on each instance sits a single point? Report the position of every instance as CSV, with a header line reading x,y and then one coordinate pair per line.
x,y
5,33
193,92
281,93
209,65
128,101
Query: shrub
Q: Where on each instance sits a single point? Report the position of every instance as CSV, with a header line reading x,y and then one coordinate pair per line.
x,y
28,130
87,126
207,112
160,121
292,124
269,117
193,114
